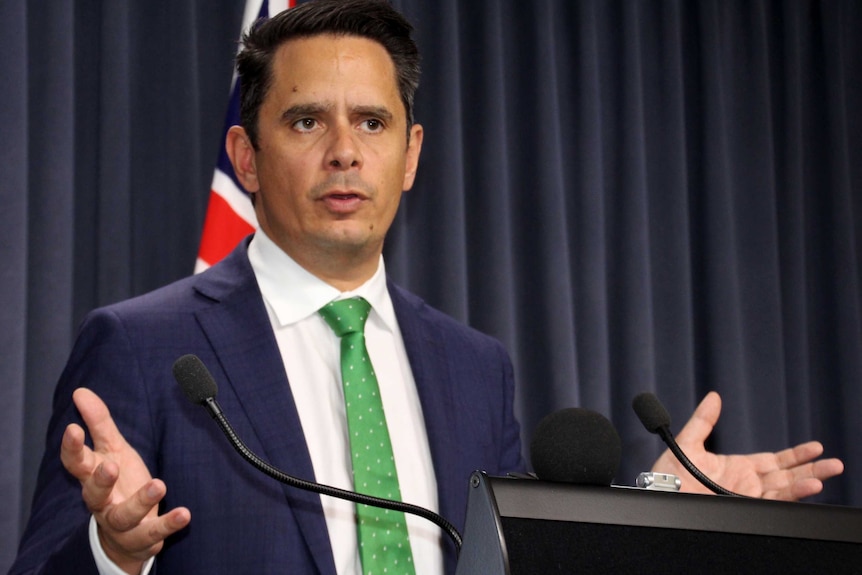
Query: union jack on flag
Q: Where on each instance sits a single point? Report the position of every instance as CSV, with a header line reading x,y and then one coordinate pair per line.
x,y
230,216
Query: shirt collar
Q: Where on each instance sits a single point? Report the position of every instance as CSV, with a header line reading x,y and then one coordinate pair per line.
x,y
294,294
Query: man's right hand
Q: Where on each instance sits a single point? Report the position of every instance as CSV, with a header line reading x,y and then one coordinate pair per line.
x,y
117,487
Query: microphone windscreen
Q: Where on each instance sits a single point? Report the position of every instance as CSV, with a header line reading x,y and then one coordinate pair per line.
x,y
576,445
195,379
651,412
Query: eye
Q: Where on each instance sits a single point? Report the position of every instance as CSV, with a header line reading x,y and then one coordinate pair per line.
x,y
305,124
372,125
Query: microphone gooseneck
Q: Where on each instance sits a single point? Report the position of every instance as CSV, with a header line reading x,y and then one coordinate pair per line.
x,y
576,445
200,387
656,419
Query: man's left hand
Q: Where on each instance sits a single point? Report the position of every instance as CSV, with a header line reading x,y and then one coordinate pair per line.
x,y
790,474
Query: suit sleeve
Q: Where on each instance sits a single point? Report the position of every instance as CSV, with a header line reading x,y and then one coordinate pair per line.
x,y
56,537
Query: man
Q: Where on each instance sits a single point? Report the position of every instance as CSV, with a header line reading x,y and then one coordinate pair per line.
x,y
327,146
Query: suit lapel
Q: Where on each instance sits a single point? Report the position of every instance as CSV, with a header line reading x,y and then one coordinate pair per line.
x,y
240,332
425,351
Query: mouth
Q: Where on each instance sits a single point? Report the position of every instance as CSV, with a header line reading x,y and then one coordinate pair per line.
x,y
343,202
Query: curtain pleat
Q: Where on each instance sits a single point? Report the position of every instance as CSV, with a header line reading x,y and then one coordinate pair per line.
x,y
14,254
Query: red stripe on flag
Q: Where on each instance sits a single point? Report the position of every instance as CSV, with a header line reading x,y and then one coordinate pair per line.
x,y
223,230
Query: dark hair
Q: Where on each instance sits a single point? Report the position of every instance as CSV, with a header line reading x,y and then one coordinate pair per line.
x,y
373,19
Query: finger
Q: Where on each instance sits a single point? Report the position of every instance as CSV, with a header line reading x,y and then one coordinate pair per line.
x,y
169,523
130,512
103,430
821,470
800,459
702,421
77,458
795,490
805,488
826,468
799,454
143,540
160,528
800,481
97,490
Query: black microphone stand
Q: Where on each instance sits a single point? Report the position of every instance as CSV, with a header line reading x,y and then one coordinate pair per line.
x,y
670,441
215,410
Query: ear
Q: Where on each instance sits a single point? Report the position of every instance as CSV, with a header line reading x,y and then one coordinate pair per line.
x,y
414,147
242,157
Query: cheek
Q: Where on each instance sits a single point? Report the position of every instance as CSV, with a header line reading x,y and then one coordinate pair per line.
x,y
391,210
285,184
395,173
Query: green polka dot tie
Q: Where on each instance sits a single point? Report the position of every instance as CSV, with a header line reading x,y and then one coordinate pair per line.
x,y
384,547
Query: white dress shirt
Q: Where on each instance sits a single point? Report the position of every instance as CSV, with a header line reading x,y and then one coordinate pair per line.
x,y
312,356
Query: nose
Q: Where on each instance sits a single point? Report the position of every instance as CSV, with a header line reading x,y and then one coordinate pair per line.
x,y
343,150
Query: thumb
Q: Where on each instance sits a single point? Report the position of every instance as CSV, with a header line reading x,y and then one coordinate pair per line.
x,y
702,421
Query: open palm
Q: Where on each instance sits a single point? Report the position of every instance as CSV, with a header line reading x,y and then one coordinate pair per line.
x,y
790,474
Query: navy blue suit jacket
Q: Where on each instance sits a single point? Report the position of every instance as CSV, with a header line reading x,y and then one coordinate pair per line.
x,y
243,521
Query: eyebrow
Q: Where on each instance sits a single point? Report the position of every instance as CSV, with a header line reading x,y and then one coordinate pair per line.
x,y
301,110
373,112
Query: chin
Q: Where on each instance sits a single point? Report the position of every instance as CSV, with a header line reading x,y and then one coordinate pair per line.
x,y
350,241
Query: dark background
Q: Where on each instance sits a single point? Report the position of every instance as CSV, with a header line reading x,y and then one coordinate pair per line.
x,y
631,195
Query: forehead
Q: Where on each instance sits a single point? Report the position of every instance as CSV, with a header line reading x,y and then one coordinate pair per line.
x,y
320,66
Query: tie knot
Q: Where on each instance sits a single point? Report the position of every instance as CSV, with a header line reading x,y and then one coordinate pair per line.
x,y
346,316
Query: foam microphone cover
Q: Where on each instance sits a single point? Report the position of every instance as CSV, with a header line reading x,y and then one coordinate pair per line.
x,y
651,412
195,379
576,445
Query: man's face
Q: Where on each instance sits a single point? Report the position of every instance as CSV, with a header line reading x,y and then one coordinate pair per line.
x,y
333,156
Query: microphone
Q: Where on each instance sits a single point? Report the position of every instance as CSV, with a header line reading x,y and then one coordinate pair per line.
x,y
576,445
200,388
656,419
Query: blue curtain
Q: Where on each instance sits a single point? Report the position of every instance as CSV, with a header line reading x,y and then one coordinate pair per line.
x,y
632,195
